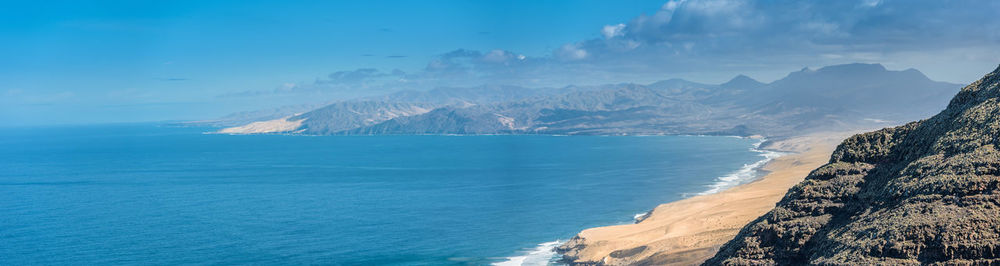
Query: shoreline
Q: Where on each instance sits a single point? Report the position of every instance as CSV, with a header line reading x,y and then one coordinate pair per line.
x,y
690,230
749,173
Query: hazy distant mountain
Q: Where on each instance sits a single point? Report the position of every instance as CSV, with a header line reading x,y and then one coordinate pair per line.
x,y
858,89
247,117
922,193
352,116
472,95
742,82
853,95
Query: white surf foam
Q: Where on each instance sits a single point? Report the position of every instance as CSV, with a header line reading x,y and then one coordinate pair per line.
x,y
543,254
746,173
639,216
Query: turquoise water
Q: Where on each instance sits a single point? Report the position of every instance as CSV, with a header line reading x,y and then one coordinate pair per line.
x,y
145,194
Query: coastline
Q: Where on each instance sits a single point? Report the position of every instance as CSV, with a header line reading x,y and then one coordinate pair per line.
x,y
689,231
744,174
546,254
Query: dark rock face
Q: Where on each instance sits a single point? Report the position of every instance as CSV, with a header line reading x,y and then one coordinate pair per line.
x,y
924,193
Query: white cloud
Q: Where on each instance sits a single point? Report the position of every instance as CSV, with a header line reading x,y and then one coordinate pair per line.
x,y
611,31
870,3
497,56
672,4
571,52
725,37
287,87
713,7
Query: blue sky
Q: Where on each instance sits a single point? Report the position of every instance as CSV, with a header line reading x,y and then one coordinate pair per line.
x,y
121,61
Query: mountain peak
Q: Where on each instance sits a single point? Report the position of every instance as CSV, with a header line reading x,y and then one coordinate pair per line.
x,y
742,81
853,68
847,74
741,77
982,90
675,83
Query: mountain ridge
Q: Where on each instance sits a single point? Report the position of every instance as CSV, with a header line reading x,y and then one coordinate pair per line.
x,y
920,193
803,100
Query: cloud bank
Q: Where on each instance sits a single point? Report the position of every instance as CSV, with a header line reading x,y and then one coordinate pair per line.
x,y
714,39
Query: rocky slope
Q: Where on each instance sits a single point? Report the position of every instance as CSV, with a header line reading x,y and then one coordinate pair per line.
x,y
927,192
354,114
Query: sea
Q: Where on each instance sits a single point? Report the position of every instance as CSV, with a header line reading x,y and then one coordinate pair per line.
x,y
126,194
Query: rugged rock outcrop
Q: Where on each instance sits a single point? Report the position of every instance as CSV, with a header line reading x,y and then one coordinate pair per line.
x,y
927,192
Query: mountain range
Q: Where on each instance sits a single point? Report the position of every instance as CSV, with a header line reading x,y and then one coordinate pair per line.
x,y
840,96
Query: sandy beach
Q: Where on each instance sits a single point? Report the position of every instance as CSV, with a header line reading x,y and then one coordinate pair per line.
x,y
691,230
280,125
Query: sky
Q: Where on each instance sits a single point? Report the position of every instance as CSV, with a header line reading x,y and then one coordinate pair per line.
x,y
81,62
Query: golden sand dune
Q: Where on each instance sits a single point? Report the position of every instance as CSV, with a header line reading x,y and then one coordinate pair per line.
x,y
281,125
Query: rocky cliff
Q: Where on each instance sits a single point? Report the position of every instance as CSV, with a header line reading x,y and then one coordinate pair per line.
x,y
927,192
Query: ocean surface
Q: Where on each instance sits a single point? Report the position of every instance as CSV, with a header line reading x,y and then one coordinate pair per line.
x,y
149,194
